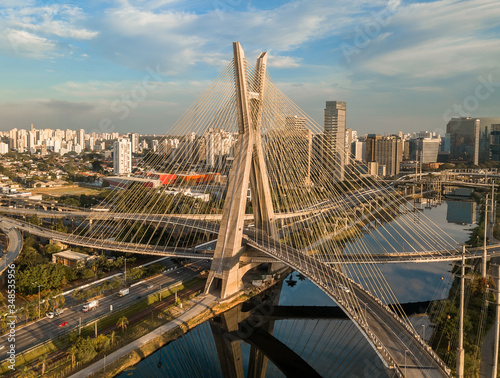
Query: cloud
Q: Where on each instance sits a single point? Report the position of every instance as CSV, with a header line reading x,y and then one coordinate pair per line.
x,y
26,43
15,3
283,61
427,41
38,32
136,35
67,106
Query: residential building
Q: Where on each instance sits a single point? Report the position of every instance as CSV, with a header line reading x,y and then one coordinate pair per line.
x,y
134,142
122,157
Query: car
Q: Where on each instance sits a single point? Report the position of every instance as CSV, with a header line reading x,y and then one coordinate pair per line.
x,y
58,311
2,346
63,324
344,288
49,315
149,287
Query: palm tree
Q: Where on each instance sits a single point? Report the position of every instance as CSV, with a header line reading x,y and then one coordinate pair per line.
x,y
43,362
291,282
113,336
72,351
122,323
26,372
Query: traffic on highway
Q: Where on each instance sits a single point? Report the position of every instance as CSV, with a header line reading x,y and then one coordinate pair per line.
x,y
51,326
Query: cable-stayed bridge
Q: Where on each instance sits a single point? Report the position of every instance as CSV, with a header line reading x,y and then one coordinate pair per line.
x,y
290,194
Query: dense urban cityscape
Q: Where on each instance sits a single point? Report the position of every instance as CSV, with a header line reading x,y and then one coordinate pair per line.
x,y
319,200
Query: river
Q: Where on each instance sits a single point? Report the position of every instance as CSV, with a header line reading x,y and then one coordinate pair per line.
x,y
334,347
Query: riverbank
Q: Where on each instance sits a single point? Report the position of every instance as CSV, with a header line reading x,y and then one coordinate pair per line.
x,y
193,313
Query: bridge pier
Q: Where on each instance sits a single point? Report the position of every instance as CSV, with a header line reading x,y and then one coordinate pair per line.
x,y
228,348
249,166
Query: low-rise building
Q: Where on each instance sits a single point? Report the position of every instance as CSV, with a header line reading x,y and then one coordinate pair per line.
x,y
70,258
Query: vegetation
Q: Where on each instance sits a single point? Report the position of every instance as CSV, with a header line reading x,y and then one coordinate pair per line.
x,y
445,316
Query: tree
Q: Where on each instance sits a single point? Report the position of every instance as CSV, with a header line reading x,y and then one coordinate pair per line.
x,y
3,322
35,220
87,273
112,337
85,350
26,372
43,362
30,257
122,323
97,166
47,275
291,282
33,309
52,248
26,311
101,343
60,226
72,351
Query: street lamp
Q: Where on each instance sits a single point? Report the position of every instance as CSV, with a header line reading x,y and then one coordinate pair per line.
x,y
125,275
36,283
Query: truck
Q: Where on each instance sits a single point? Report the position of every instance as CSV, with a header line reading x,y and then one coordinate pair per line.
x,y
123,292
89,306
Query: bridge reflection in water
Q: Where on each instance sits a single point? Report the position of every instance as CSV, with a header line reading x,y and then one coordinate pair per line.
x,y
260,338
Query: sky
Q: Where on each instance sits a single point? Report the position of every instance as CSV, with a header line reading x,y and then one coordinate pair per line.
x,y
399,65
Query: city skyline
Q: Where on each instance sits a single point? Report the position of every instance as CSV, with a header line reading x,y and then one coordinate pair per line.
x,y
126,66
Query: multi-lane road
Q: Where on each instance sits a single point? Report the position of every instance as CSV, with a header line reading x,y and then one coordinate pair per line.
x,y
15,244
46,329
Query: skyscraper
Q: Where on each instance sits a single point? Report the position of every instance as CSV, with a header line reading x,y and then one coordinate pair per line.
x,y
122,157
470,138
335,130
13,139
134,142
80,138
386,151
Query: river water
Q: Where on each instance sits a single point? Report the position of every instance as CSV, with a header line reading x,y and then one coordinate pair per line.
x,y
333,347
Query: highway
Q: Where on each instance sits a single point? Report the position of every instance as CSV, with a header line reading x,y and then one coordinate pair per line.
x,y
48,329
15,244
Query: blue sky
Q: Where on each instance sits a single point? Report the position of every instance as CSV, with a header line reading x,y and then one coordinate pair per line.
x,y
400,65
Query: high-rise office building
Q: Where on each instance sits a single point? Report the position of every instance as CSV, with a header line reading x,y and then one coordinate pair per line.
x,y
471,138
386,151
122,157
371,147
427,150
335,130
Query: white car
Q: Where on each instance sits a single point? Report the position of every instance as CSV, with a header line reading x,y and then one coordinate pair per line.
x,y
343,287
49,315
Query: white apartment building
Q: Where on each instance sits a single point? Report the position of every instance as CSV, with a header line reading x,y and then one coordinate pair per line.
x,y
122,157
